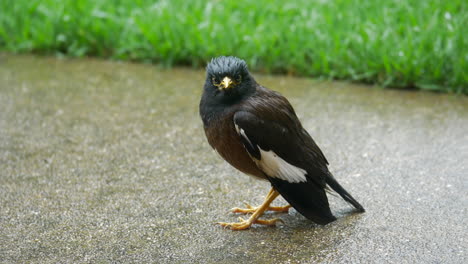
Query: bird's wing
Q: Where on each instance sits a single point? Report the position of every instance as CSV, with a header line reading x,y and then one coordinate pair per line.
x,y
282,149
294,164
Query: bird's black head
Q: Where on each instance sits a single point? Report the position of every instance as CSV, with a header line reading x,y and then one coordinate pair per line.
x,y
228,80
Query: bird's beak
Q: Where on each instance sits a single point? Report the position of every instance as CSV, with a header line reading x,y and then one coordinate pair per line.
x,y
225,83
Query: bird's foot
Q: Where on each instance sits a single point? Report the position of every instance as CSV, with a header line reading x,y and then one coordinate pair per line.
x,y
250,209
245,224
256,213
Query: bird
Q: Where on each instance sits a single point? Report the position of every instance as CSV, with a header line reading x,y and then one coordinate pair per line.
x,y
257,131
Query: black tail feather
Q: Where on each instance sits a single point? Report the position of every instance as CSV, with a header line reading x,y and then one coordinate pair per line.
x,y
343,193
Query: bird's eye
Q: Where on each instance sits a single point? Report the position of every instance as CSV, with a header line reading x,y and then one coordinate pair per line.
x,y
239,78
215,81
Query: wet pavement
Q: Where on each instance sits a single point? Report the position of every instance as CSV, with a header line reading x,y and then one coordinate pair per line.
x,y
106,162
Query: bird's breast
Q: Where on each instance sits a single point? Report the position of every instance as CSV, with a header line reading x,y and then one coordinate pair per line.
x,y
222,136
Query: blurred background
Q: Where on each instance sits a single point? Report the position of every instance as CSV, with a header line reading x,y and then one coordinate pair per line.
x,y
394,43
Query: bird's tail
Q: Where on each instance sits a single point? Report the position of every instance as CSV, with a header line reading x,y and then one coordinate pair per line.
x,y
343,193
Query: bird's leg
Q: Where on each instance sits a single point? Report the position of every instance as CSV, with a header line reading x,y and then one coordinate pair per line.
x,y
244,224
250,209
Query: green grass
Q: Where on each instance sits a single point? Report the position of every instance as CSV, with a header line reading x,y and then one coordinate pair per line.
x,y
394,43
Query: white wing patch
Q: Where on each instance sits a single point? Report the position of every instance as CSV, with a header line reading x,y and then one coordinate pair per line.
x,y
274,166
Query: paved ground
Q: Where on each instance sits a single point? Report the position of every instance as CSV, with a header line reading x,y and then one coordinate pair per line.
x,y
106,162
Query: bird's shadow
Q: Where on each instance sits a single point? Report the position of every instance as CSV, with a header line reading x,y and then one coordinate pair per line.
x,y
294,221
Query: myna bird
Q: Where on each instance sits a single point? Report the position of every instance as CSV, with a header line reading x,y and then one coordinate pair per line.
x,y
257,131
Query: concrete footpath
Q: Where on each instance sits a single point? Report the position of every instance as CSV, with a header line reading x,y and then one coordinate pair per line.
x,y
106,162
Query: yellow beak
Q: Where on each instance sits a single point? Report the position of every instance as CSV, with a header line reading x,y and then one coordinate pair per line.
x,y
226,83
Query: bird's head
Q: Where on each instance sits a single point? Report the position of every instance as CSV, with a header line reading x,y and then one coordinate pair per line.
x,y
227,78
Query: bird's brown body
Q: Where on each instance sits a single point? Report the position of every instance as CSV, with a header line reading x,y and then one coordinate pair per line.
x,y
229,147
222,136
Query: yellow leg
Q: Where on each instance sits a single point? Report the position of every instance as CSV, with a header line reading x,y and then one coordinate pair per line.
x,y
250,209
244,224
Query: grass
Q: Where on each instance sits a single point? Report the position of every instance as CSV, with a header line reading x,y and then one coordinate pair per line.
x,y
394,43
